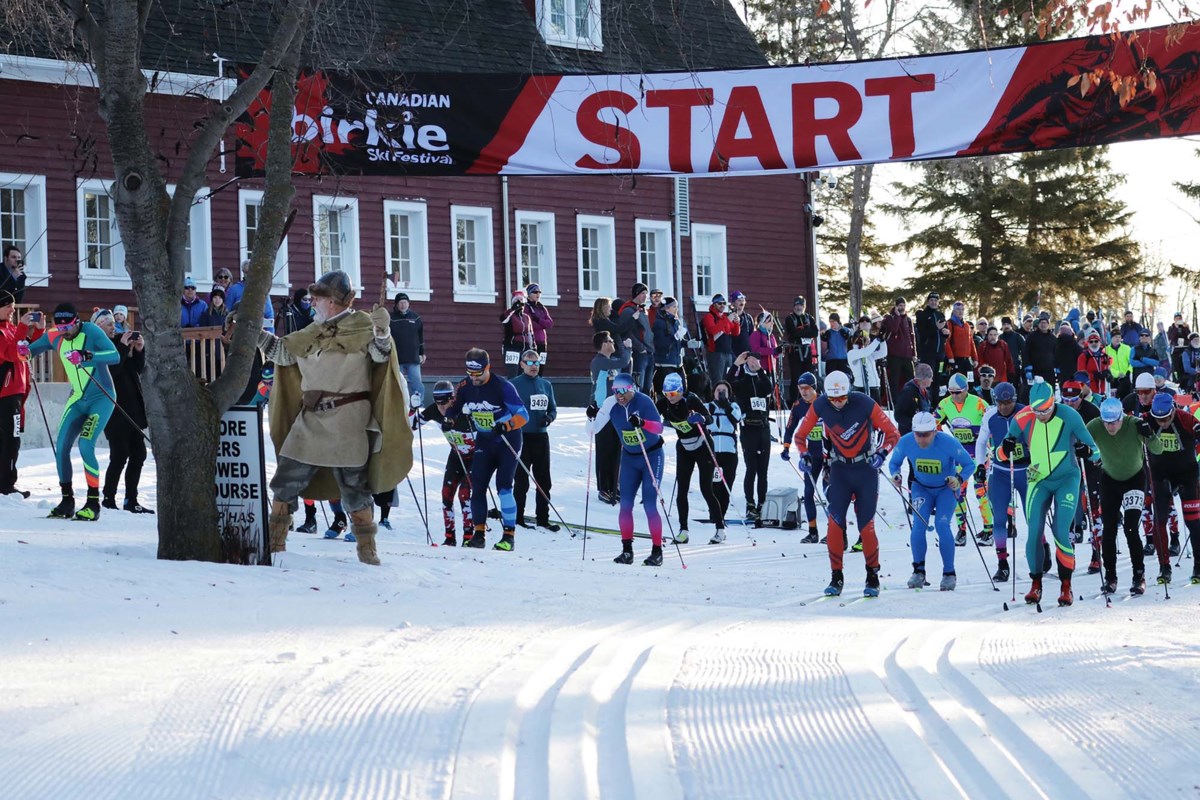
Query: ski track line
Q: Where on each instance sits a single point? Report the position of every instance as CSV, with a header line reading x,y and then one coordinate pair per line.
x,y
1133,745
783,718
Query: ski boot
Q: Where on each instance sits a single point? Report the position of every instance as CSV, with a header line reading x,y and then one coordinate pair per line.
x,y
524,523
66,508
385,523
681,537
1173,551
608,497
91,509
1110,583
1138,587
109,502
553,527
1076,535
857,547
655,557
872,587
450,541
338,526
1065,598
507,541
985,536
1002,573
134,507
835,584
949,581
1034,595
917,581
1195,575
812,537
478,540
1094,567
960,538
752,511
310,520
1148,548
626,556
1164,574
718,537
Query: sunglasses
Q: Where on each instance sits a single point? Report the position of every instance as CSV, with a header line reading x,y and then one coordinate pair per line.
x,y
475,373
958,391
924,433
534,363
622,390
441,401
673,394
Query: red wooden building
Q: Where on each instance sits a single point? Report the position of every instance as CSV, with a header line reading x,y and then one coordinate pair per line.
x,y
462,243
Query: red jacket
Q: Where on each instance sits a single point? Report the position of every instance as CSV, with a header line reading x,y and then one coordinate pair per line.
x,y
961,342
1096,366
999,358
715,322
13,365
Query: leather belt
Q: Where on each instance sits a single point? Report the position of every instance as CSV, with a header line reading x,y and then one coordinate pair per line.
x,y
326,401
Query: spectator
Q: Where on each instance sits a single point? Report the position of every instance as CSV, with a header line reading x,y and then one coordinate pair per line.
x,y
720,327
518,332
1066,353
297,312
1072,320
1144,358
1189,360
1095,363
763,342
1039,352
656,304
408,332
669,333
932,334
960,342
1120,367
981,328
901,341
14,385
1130,331
602,322
800,336
1161,347
223,279
1177,339
836,345
12,277
126,442
634,324
217,310
121,318
865,351
192,308
542,321
741,340
1015,342
234,292
995,353
605,367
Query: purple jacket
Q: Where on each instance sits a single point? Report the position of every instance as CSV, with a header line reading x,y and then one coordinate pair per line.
x,y
901,340
542,322
518,329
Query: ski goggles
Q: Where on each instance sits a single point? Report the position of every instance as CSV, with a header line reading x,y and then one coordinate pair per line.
x,y
441,401
476,373
623,390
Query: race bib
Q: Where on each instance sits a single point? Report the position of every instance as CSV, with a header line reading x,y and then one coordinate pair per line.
x,y
16,426
929,466
542,357
964,435
758,404
539,402
970,376
511,357
1133,500
1018,452
633,437
817,433
683,426
1170,442
456,438
484,420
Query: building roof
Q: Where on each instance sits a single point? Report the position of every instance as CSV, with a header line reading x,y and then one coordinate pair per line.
x,y
470,36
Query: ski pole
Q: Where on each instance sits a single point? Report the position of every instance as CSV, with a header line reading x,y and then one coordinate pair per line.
x,y
1012,521
966,511
45,421
587,497
415,404
117,406
1159,546
417,505
533,481
1087,513
658,491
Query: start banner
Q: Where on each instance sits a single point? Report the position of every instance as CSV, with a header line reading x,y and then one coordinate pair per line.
x,y
762,120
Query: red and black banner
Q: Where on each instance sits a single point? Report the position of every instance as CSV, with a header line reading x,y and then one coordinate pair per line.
x,y
770,119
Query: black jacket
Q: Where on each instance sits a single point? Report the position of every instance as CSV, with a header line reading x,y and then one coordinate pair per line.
x,y
1039,354
1066,356
753,393
931,344
1016,348
14,285
909,400
128,388
408,332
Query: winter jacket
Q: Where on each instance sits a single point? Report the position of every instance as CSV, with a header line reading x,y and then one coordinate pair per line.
x,y
1066,356
1161,347
408,332
14,364
961,342
192,314
128,385
538,396
1143,359
1118,360
800,331
542,323
900,335
14,285
1096,364
719,331
1130,331
637,330
765,345
999,358
518,328
930,341
1178,335
669,333
1039,355
909,400
863,370
213,317
1073,320
1190,360
741,339
233,296
837,344
1016,348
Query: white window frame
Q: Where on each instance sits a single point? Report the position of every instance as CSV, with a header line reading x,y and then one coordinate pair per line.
x,y
116,277
347,208
665,272
553,35
35,248
281,284
720,265
200,236
607,227
548,267
418,230
485,269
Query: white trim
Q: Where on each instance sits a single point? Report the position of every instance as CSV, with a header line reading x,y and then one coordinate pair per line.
x,y
664,269
548,266
70,73
608,257
720,266
484,290
595,37
36,253
200,238
418,231
347,212
115,277
281,283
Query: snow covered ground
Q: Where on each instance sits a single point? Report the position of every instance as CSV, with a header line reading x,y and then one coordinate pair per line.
x,y
542,674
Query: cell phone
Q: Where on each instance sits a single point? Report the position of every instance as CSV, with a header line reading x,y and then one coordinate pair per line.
x,y
36,316
135,334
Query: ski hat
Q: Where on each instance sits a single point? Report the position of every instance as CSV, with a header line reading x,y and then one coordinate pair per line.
x,y
1160,372
638,288
798,301
518,294
987,369
1194,336
1111,410
923,422
533,288
837,384
1044,315
1041,396
736,296
65,314
400,296
1082,377
899,301
1093,336
668,302
1071,390
957,382
188,283
1144,332
1144,381
1162,406
478,364
7,299
932,296
443,389
718,299
1004,392
123,310
622,383
672,383
807,379
762,317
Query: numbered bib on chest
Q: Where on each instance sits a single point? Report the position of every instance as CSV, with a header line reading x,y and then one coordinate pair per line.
x,y
1170,442
683,426
511,356
456,438
633,437
758,404
817,433
961,428
929,466
539,402
484,420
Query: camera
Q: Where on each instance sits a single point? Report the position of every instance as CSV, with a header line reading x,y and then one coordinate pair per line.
x,y
135,334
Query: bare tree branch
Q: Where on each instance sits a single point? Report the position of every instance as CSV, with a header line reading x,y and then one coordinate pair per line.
x,y
92,34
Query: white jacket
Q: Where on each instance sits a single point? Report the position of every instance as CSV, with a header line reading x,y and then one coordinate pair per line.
x,y
862,360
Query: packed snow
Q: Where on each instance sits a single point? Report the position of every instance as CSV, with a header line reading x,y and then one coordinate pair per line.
x,y
452,673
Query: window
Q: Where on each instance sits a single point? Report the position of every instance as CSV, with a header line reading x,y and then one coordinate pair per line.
x,y
406,245
709,272
537,261
23,220
474,274
197,251
335,235
249,210
654,255
597,258
571,23
101,254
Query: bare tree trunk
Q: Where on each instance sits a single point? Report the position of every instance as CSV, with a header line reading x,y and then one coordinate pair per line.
x,y
859,197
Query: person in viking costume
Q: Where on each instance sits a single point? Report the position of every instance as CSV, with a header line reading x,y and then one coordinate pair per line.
x,y
337,412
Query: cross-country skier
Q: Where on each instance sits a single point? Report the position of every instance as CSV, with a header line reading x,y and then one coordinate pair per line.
x,y
687,414
851,420
962,414
1174,471
726,415
806,388
1006,477
938,464
456,477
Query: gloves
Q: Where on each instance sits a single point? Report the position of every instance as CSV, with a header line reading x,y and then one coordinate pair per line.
x,y
381,320
448,424
804,464
898,479
980,474
1082,450
778,350
695,418
592,410
635,421
954,482
725,405
503,427
786,455
1008,446
23,350
77,357
1029,374
1144,429
681,334
876,460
